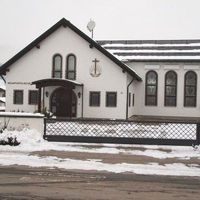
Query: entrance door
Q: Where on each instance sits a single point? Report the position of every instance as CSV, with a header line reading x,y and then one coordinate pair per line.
x,y
63,103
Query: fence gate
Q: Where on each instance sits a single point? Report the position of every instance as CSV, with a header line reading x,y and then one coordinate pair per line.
x,y
121,132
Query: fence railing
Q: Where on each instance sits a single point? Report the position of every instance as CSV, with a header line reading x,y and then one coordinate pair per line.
x,y
122,131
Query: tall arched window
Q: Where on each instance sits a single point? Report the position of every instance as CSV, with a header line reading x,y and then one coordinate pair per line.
x,y
57,66
170,88
190,89
151,88
71,67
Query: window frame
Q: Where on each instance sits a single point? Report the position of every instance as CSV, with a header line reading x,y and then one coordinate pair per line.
x,y
53,66
194,86
67,67
156,85
90,98
29,97
171,85
107,94
14,97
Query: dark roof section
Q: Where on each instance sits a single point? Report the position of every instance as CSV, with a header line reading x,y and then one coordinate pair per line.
x,y
154,50
65,23
55,82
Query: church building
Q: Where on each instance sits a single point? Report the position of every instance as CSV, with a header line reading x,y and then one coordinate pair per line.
x,y
67,73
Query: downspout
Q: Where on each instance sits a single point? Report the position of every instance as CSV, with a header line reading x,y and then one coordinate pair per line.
x,y
127,97
82,104
43,100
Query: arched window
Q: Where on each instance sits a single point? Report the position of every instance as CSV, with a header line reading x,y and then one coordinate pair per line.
x,y
151,88
71,67
57,66
170,88
190,89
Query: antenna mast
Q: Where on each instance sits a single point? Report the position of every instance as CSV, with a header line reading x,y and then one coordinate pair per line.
x,y
90,26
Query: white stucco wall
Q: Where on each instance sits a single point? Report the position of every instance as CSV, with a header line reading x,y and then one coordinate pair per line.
x,y
37,64
161,110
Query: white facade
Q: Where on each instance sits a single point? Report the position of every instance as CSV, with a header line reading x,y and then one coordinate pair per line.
x,y
36,64
161,110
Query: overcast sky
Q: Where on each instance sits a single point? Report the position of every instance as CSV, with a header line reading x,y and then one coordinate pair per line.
x,y
23,20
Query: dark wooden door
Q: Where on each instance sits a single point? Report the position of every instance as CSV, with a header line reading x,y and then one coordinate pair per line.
x,y
61,102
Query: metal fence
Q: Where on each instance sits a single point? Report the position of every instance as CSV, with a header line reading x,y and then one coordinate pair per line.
x,y
122,132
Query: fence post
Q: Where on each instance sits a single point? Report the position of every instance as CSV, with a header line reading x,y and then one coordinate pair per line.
x,y
198,134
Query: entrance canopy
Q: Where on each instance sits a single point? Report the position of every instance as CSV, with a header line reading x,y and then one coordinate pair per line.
x,y
66,83
56,82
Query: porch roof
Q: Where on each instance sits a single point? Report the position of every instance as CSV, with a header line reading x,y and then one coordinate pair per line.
x,y
56,82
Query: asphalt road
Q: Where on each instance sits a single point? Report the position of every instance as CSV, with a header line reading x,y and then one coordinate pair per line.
x,y
23,183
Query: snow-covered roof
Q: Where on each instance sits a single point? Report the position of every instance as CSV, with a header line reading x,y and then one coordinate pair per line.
x,y
21,114
2,86
139,50
2,108
3,99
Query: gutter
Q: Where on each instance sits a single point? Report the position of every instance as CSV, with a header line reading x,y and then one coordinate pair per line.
x,y
127,94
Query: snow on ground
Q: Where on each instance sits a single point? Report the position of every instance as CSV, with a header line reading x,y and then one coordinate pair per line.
x,y
31,141
176,169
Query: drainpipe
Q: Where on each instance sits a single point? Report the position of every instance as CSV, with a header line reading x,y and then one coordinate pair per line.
x,y
127,97
82,103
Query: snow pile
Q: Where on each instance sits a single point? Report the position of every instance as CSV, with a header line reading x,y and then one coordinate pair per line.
x,y
26,137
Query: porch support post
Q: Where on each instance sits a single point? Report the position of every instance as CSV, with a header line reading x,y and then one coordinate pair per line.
x,y
39,100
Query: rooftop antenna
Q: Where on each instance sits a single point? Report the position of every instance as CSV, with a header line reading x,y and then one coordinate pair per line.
x,y
90,26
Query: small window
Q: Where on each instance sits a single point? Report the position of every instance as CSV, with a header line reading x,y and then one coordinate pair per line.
x,y
111,99
129,99
170,88
190,89
18,97
133,100
33,97
57,66
95,99
151,88
71,67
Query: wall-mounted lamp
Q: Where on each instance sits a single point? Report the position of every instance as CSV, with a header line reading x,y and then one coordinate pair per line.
x,y
79,95
47,94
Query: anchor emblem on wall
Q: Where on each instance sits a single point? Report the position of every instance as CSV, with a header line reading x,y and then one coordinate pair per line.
x,y
95,70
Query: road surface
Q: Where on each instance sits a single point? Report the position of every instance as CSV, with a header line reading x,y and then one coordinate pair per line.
x,y
24,183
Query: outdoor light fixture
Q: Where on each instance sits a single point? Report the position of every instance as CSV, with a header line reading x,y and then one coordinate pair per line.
x,y
79,94
47,94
